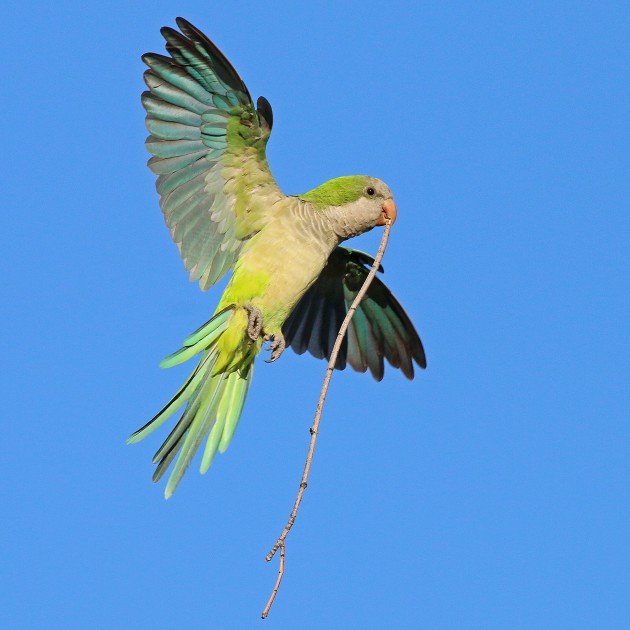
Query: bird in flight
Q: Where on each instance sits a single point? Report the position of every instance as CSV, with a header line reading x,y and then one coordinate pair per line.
x,y
291,282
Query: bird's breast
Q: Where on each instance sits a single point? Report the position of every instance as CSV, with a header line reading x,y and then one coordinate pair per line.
x,y
290,253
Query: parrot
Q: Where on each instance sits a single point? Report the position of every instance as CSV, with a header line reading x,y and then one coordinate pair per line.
x,y
291,282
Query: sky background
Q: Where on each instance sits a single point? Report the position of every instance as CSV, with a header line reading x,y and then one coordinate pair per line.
x,y
490,492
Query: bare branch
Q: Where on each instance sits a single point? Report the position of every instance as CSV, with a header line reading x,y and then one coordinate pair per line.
x,y
277,585
280,543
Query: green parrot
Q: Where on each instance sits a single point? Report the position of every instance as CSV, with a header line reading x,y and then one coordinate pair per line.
x,y
291,283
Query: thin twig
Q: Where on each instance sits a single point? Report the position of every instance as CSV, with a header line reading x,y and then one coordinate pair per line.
x,y
280,543
277,585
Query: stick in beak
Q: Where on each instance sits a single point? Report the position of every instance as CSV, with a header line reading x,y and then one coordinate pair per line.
x,y
389,212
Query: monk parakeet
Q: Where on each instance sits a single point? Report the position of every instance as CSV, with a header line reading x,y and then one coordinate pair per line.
x,y
291,283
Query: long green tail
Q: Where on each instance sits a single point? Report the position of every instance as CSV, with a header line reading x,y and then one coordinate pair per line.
x,y
213,405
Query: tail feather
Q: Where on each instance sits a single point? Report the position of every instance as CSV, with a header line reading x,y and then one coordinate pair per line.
x,y
213,439
205,417
233,412
181,427
182,395
207,328
214,403
228,415
171,446
201,339
163,465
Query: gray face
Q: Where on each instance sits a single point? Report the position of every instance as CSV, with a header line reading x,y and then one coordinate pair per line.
x,y
363,214
381,190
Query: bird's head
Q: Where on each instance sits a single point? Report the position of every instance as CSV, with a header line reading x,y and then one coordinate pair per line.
x,y
354,204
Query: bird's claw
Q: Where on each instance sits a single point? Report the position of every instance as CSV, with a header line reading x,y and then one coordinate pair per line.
x,y
255,329
255,322
277,346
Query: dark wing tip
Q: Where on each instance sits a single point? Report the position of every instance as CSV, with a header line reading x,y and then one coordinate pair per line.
x,y
419,355
263,107
423,359
151,58
223,65
183,23
378,373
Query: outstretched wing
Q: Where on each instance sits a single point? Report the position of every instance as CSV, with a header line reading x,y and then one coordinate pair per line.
x,y
208,145
379,329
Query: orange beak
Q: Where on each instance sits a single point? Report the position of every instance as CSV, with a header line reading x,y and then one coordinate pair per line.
x,y
388,212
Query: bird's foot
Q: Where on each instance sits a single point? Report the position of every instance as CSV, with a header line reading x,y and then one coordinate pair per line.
x,y
278,344
255,329
255,322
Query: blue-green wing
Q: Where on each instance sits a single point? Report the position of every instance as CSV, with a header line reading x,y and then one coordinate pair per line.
x,y
380,328
208,145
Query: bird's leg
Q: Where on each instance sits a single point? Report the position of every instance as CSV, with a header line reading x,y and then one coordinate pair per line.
x,y
278,344
255,329
255,322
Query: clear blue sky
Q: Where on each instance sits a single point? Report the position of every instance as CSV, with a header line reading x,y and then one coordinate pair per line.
x,y
492,491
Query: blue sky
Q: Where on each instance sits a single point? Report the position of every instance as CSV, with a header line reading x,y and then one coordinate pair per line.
x,y
490,492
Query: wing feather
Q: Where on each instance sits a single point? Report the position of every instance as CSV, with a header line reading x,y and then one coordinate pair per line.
x,y
380,329
208,151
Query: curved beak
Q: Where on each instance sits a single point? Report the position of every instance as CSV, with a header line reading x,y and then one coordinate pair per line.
x,y
388,212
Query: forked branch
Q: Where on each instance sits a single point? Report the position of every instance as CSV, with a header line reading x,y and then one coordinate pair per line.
x,y
281,542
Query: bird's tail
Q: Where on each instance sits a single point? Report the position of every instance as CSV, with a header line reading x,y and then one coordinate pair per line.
x,y
214,397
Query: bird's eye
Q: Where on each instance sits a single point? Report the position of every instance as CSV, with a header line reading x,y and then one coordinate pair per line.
x,y
370,191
